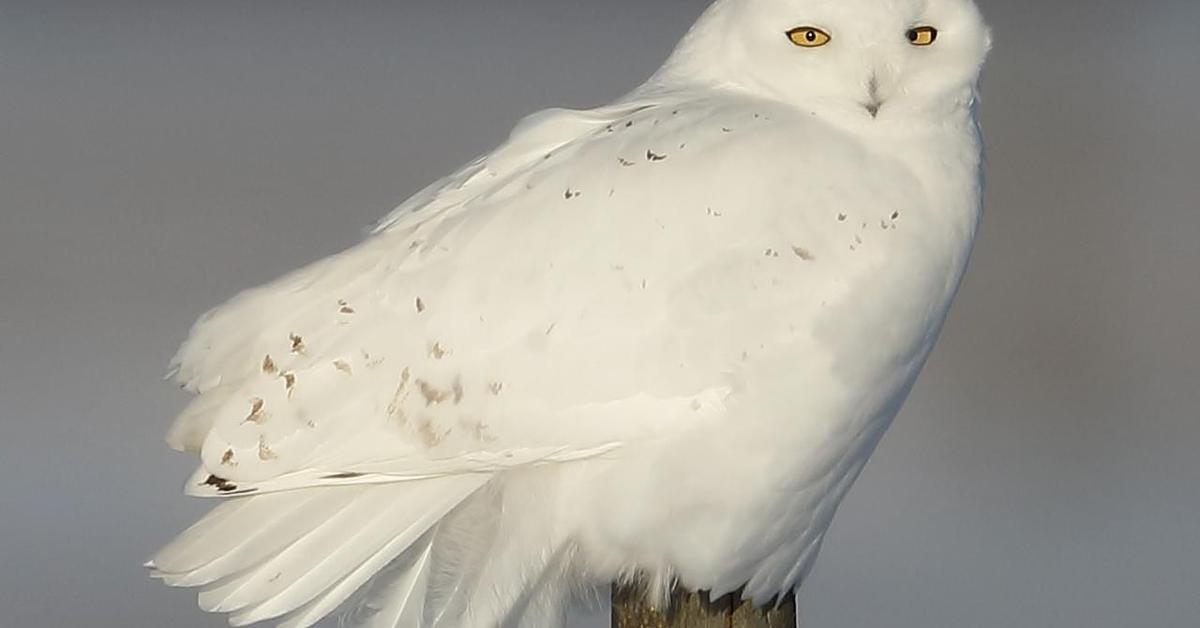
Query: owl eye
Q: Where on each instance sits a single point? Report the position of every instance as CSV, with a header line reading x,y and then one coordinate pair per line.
x,y
808,37
922,35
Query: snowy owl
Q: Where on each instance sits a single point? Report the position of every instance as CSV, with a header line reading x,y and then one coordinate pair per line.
x,y
655,339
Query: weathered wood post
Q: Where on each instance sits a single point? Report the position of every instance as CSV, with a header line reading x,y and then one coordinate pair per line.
x,y
695,610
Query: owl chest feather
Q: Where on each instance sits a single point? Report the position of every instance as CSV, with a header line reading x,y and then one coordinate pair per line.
x,y
824,280
826,251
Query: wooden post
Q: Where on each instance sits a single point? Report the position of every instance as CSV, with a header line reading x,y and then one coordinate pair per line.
x,y
695,610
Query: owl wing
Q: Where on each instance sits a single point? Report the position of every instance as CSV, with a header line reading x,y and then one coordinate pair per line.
x,y
559,299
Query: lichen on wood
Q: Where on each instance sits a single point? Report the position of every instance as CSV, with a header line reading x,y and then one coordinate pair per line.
x,y
695,610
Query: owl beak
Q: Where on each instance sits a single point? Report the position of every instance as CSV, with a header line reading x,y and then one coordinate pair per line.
x,y
874,102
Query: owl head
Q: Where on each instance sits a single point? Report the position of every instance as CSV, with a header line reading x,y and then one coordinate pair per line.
x,y
869,60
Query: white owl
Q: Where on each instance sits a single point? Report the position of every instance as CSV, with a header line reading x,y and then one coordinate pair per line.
x,y
656,338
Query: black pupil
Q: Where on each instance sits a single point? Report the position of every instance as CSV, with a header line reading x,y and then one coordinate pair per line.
x,y
912,35
811,35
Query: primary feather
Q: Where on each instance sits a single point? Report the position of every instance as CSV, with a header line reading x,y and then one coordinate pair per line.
x,y
655,339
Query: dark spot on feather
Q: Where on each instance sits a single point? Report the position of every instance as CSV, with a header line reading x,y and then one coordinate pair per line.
x,y
653,156
437,351
268,366
221,484
726,129
803,253
495,388
395,411
348,475
343,366
428,434
256,412
771,253
264,452
420,305
297,343
370,361
570,194
625,162
629,124
432,395
895,215
841,217
227,458
476,429
289,382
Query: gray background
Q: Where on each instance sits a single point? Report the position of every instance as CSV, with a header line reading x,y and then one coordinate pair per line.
x,y
155,157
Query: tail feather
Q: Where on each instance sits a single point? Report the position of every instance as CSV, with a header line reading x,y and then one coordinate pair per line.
x,y
467,542
350,566
331,536
240,534
486,564
542,602
404,604
336,596
492,556
306,551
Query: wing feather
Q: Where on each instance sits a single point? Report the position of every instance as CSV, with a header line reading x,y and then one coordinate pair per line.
x,y
441,345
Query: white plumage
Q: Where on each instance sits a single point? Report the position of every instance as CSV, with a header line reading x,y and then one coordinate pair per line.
x,y
659,338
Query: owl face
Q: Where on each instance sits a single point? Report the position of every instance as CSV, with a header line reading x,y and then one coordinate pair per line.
x,y
869,59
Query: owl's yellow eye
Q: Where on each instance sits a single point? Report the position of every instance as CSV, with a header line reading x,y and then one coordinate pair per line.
x,y
808,36
922,35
